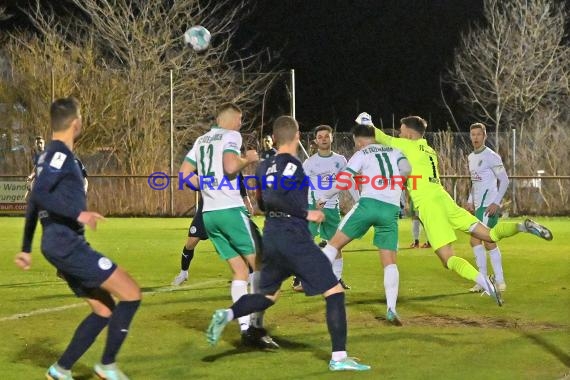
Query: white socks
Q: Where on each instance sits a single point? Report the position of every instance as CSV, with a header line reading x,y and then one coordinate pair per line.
x,y
330,252
481,258
497,264
337,267
481,280
391,284
238,289
338,355
256,318
337,264
416,229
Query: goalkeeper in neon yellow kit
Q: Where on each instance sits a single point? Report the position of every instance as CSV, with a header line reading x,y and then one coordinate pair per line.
x,y
438,212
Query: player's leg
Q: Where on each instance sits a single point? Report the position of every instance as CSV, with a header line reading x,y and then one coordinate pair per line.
x,y
328,230
313,227
494,252
125,289
338,330
246,305
237,244
391,284
415,231
335,242
497,264
185,260
504,230
256,334
479,251
480,259
255,275
315,230
93,270
101,304
196,232
272,275
386,240
463,268
240,276
440,220
315,271
228,231
339,238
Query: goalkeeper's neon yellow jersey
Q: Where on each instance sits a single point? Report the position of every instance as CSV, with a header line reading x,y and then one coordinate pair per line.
x,y
423,160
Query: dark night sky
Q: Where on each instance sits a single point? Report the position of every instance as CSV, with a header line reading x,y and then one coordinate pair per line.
x,y
379,56
383,57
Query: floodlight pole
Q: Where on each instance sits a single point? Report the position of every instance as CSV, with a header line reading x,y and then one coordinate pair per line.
x,y
293,108
293,93
171,187
514,132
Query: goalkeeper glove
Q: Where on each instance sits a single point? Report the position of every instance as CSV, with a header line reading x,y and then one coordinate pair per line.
x,y
364,119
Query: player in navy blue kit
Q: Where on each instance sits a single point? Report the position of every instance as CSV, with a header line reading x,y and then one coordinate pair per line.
x,y
288,247
58,200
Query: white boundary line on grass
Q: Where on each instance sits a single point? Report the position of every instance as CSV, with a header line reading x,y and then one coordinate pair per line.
x,y
164,289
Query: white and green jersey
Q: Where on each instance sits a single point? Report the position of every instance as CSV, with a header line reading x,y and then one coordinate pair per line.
x,y
486,168
376,161
218,191
322,171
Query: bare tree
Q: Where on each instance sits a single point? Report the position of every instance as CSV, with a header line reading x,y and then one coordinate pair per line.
x,y
515,63
116,57
3,14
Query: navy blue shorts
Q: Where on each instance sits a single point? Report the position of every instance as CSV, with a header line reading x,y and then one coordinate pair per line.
x,y
81,266
197,228
289,249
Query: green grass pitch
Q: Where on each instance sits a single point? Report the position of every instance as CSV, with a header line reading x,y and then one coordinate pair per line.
x,y
448,333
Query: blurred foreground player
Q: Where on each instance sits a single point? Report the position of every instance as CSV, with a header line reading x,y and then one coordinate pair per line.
x,y
58,199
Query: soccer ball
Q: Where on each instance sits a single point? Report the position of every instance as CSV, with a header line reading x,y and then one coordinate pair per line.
x,y
198,37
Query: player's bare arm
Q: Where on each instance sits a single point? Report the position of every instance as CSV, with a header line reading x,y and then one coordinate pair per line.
x,y
233,163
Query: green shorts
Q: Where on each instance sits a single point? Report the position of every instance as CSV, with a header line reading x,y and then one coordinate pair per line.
x,y
368,212
489,221
441,216
328,228
230,232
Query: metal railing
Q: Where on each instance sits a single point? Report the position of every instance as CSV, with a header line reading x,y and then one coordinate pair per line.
x,y
131,195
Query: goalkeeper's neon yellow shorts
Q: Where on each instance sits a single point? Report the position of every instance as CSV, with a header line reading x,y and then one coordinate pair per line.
x,y
441,216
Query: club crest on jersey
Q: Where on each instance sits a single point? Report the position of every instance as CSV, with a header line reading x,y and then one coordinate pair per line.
x,y
289,169
480,163
57,160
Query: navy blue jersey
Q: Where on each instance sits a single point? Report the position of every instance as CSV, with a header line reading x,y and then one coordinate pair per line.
x,y
283,187
58,194
36,156
267,154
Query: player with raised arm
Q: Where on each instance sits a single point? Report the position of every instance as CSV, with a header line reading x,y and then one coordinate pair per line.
x,y
289,247
438,212
383,170
217,159
485,197
58,200
322,168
